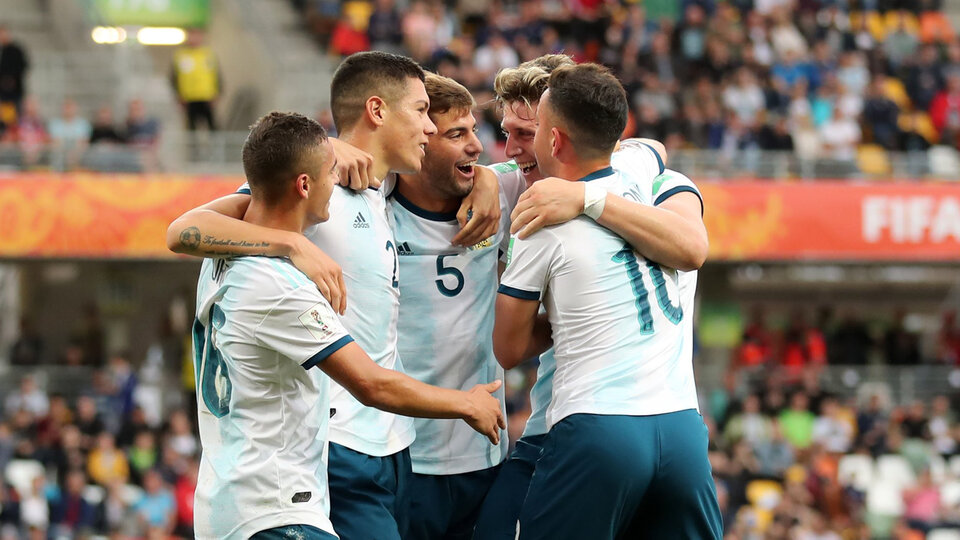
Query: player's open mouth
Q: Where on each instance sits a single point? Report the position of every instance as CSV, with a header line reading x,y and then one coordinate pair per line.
x,y
467,167
527,167
423,148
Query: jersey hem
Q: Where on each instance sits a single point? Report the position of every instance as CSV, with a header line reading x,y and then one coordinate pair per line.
x,y
327,351
519,293
372,448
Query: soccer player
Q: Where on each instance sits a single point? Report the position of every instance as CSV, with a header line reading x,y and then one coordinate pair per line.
x,y
446,314
380,106
261,325
633,216
626,450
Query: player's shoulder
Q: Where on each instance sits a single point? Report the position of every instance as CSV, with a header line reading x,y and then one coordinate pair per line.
x,y
263,278
671,182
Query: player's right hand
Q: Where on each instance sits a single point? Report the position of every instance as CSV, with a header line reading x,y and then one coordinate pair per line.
x,y
354,166
322,270
487,415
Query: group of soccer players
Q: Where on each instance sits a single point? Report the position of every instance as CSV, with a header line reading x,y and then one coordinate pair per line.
x,y
377,258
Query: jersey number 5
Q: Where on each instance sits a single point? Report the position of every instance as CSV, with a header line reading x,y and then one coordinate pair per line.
x,y
213,379
448,271
674,313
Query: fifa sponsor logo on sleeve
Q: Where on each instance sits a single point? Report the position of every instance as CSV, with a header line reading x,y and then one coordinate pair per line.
x,y
318,320
360,222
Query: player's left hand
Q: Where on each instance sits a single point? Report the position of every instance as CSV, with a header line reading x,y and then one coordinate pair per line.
x,y
354,166
547,202
479,214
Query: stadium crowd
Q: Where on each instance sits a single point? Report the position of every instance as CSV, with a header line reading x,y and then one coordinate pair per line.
x,y
837,84
788,456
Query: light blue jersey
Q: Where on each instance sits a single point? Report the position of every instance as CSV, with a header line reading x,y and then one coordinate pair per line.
x,y
625,308
262,411
640,166
446,323
358,237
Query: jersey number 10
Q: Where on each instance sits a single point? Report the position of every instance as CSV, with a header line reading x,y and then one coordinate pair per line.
x,y
674,313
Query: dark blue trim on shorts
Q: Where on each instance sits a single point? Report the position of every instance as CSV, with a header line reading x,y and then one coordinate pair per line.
x,y
327,351
679,189
519,293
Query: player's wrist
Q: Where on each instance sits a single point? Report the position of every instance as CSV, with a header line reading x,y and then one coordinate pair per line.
x,y
594,199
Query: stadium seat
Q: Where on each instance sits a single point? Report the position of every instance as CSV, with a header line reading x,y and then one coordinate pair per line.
x,y
885,498
764,494
895,470
944,161
20,474
856,471
872,159
943,534
911,23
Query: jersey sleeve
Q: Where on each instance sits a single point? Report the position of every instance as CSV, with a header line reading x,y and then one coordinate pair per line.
x,y
244,189
638,164
530,264
670,183
302,326
512,184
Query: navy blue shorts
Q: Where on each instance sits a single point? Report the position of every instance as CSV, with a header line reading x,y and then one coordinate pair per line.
x,y
501,509
300,532
623,477
368,493
446,506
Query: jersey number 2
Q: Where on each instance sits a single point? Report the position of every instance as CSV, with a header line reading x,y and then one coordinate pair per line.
x,y
673,313
213,379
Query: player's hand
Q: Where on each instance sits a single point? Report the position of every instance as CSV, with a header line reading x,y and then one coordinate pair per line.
x,y
479,214
354,166
322,270
486,414
547,202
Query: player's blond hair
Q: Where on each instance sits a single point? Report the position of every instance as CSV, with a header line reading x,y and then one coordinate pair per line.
x,y
527,82
447,94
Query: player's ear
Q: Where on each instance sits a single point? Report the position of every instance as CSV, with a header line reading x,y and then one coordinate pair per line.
x,y
375,109
303,185
557,141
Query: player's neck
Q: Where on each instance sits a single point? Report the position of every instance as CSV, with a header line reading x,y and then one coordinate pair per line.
x,y
412,187
369,143
576,170
284,217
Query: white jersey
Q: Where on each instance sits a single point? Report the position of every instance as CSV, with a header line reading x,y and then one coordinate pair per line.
x,y
641,164
358,237
263,413
447,303
623,340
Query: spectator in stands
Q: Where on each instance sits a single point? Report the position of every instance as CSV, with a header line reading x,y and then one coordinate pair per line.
x,y
922,503
196,80
140,130
116,511
881,114
104,130
142,455
29,398
745,98
941,427
493,56
28,348
35,509
348,38
181,434
71,515
69,134
776,455
797,421
88,420
14,65
49,427
925,78
945,111
914,423
157,509
183,493
30,134
69,454
749,425
830,430
384,30
901,44
107,463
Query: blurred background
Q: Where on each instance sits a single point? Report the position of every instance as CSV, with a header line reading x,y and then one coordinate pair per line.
x,y
823,133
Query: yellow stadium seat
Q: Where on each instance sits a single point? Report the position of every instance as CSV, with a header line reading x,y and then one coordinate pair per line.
x,y
897,92
912,25
359,13
872,159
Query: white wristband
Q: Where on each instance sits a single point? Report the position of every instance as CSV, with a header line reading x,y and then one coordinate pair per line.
x,y
594,198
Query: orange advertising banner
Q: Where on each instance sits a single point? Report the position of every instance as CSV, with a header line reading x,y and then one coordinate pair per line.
x,y
832,221
97,215
126,216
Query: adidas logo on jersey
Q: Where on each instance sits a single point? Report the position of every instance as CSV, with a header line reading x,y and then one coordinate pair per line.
x,y
404,249
360,222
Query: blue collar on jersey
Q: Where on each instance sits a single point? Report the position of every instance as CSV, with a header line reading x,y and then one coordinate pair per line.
x,y
606,171
416,210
